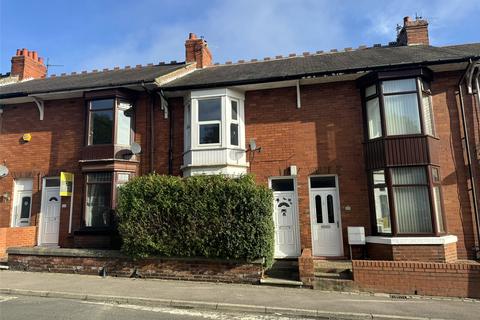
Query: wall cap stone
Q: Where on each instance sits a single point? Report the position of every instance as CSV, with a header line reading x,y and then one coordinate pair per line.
x,y
412,240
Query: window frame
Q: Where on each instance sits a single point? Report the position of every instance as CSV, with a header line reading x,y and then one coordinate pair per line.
x,y
392,206
420,76
192,131
207,122
117,100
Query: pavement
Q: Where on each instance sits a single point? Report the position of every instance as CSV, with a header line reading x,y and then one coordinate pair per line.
x,y
221,297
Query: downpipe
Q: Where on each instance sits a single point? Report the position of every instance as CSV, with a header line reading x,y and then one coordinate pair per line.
x,y
465,130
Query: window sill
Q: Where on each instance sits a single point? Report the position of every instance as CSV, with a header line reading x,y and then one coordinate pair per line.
x,y
412,240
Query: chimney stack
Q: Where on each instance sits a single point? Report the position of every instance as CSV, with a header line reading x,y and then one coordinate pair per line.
x,y
26,65
196,50
413,32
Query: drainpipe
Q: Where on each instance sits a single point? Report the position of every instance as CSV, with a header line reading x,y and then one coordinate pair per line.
x,y
169,111
468,151
152,125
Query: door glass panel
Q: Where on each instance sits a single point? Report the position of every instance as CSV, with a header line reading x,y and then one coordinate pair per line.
x,y
318,208
55,182
331,214
282,185
322,182
25,211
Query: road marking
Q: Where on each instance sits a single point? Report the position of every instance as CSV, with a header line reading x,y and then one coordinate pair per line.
x,y
4,299
194,313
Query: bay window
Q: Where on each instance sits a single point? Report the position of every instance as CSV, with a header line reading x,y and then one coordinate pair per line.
x,y
109,122
214,132
408,196
398,107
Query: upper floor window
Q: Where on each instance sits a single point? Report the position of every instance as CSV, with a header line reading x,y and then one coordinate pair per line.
x,y
214,118
209,120
109,120
398,107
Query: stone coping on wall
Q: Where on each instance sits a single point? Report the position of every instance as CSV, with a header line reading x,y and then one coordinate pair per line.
x,y
412,240
97,253
415,265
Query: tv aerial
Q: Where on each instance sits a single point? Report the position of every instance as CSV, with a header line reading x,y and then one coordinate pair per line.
x,y
48,65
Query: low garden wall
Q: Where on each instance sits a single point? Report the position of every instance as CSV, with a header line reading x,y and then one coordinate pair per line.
x,y
93,262
422,278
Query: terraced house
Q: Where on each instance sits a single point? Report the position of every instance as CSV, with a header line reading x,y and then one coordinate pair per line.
x,y
384,137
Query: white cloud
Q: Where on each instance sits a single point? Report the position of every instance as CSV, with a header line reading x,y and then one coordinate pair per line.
x,y
234,30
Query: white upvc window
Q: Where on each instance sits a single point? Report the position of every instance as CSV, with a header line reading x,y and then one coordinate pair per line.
x,y
209,113
214,119
214,131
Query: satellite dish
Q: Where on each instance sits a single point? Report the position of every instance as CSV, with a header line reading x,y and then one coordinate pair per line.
x,y
135,148
3,171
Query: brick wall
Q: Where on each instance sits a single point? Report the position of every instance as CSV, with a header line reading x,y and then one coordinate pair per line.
x,y
322,137
433,279
17,237
431,253
118,265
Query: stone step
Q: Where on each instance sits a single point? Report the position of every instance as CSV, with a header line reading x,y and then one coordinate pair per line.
x,y
334,275
334,284
281,282
283,275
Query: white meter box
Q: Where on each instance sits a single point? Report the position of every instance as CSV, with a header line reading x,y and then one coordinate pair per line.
x,y
356,235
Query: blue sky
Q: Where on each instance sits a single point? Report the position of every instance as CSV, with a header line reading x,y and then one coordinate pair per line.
x,y
89,34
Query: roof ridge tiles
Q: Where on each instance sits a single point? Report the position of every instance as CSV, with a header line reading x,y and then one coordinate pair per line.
x,y
303,54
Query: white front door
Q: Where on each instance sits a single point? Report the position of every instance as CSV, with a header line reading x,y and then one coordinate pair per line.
x,y
285,218
325,220
50,215
22,205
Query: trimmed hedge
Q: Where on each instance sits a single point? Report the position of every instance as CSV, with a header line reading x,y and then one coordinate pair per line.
x,y
201,216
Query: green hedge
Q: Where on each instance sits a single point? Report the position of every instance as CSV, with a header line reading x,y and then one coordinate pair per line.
x,y
201,216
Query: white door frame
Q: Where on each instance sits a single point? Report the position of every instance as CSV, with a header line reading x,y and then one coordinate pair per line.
x,y
337,193
296,219
18,194
42,207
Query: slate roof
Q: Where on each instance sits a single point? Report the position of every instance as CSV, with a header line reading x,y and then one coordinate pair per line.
x,y
323,64
253,72
89,80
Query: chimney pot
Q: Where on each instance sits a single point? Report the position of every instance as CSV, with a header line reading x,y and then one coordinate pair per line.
x,y
35,55
192,36
406,19
18,52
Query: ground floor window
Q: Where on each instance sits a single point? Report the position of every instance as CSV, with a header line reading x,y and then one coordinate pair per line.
x,y
101,196
410,196
98,199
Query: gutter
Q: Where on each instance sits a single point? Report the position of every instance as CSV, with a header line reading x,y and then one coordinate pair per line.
x,y
314,74
471,66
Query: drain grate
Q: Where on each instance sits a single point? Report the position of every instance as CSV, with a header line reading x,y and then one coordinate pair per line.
x,y
399,297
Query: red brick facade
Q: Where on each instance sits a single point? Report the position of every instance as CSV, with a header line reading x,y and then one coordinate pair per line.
x,y
17,237
324,135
